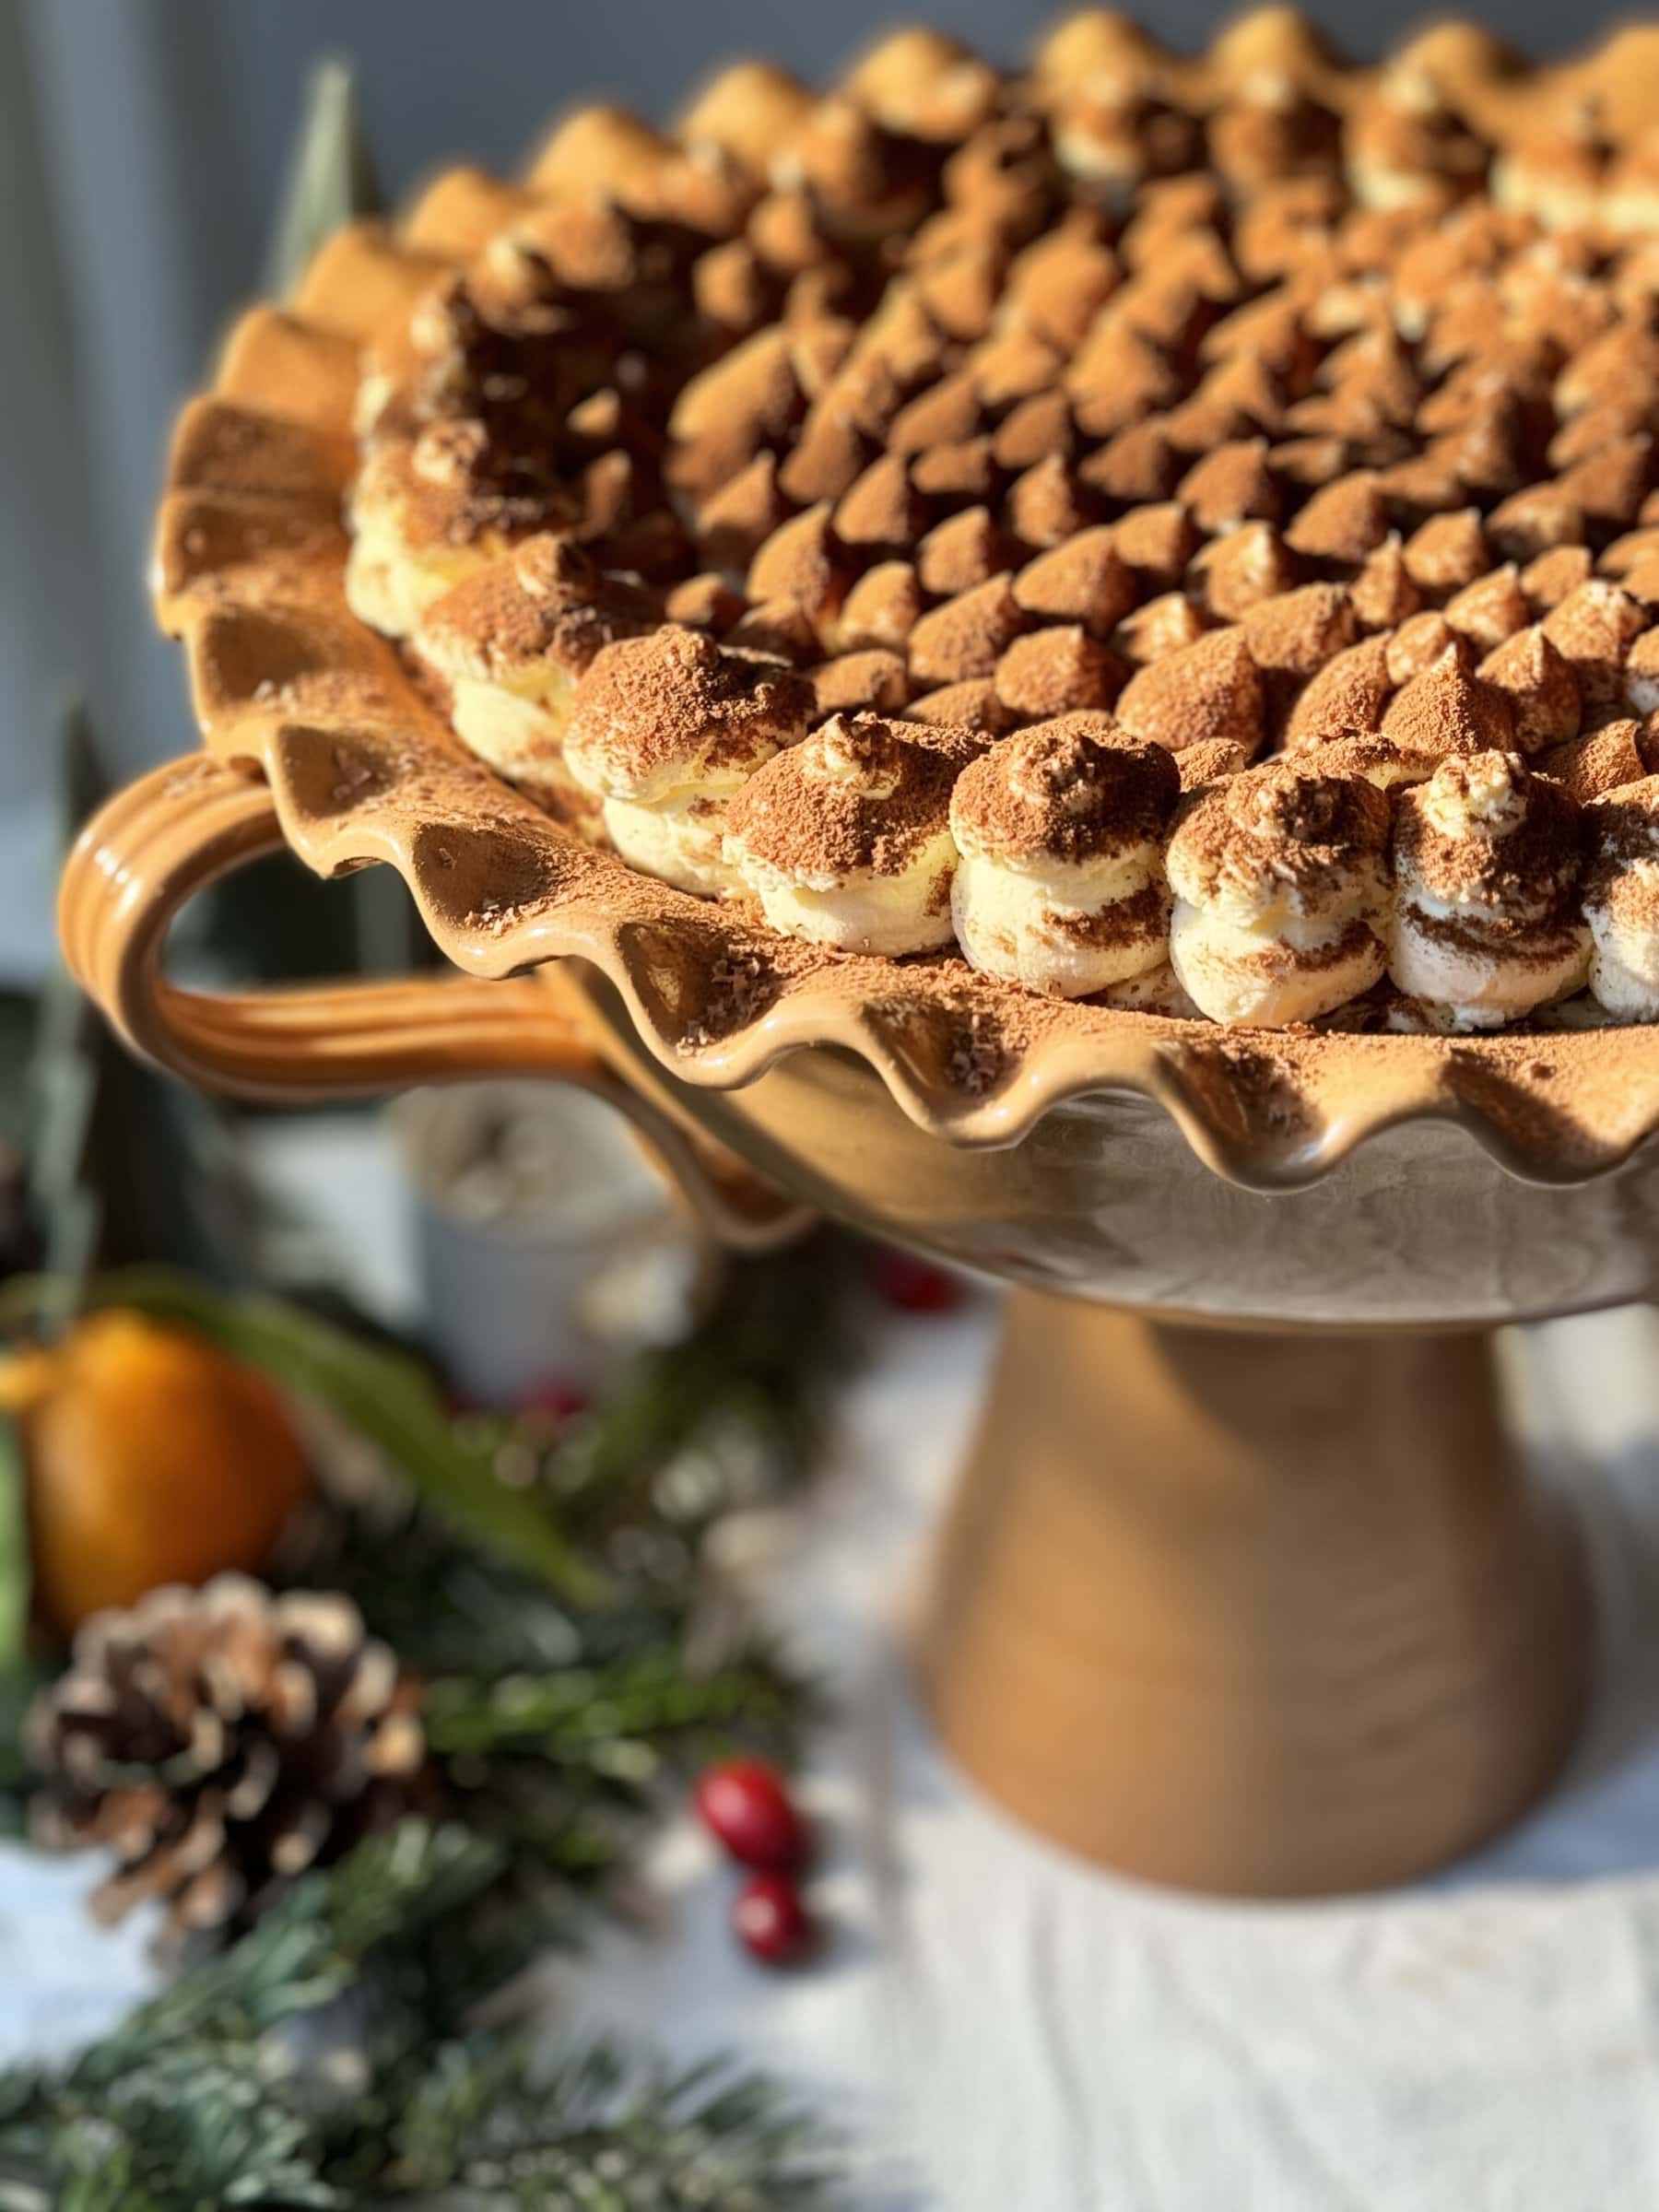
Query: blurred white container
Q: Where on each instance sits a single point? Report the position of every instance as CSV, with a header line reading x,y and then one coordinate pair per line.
x,y
547,1245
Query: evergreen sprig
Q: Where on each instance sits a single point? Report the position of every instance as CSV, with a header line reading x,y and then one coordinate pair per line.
x,y
326,2061
601,2130
735,1410
330,2059
554,1727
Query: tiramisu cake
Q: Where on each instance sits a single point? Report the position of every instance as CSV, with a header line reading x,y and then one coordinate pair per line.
x,y
1182,535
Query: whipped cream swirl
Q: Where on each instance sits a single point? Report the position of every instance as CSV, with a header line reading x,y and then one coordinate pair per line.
x,y
1281,893
1485,921
666,729
845,839
1061,831
1622,900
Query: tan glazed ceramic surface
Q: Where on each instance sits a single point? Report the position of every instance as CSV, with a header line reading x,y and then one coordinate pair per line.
x,y
1271,1615
1263,1614
249,570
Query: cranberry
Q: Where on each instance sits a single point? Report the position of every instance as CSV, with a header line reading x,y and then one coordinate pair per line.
x,y
769,1920
743,1803
556,1402
912,1285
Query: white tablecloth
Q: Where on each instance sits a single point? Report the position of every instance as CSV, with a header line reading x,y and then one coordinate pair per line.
x,y
996,2025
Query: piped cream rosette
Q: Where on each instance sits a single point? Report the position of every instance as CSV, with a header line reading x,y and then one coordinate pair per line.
x,y
509,645
1485,921
1281,893
666,730
1622,900
418,526
1061,829
846,840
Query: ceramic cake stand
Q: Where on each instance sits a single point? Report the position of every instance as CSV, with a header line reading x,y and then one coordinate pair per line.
x,y
1242,1588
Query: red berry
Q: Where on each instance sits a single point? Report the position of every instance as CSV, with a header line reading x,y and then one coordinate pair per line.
x,y
769,1920
556,1402
912,1285
744,1804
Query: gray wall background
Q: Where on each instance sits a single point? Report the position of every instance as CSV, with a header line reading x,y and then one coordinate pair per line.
x,y
142,148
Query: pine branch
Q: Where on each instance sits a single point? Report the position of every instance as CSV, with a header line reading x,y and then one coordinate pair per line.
x,y
746,1394
309,1949
327,2059
445,1606
624,1723
325,2062
563,1771
599,2129
191,2128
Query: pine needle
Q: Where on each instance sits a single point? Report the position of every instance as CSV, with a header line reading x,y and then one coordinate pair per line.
x,y
327,2061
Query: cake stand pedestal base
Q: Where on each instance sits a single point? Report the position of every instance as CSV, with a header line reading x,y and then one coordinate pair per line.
x,y
1266,1616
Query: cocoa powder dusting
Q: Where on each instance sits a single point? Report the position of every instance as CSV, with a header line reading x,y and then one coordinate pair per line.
x,y
1071,789
860,796
935,428
677,698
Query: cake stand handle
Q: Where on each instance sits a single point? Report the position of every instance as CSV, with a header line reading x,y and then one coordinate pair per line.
x,y
153,846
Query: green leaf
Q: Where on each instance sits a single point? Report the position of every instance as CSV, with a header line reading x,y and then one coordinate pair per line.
x,y
385,1395
15,1574
331,178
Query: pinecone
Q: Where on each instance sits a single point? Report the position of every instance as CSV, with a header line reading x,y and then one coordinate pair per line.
x,y
221,1741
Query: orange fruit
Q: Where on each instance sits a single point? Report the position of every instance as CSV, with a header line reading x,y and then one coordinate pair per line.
x,y
153,1457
